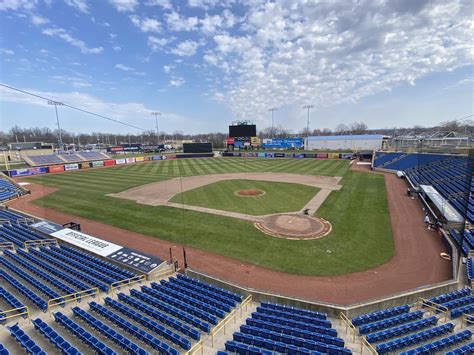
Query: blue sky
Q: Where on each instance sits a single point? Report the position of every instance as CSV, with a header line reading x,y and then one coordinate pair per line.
x,y
205,63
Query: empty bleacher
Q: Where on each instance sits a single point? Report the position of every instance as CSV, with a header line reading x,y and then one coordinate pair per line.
x,y
54,159
427,327
276,328
167,317
9,190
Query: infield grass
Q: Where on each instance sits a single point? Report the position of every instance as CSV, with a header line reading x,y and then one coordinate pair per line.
x,y
223,195
361,237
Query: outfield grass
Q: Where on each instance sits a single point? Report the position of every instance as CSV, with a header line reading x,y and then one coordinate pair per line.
x,y
361,236
279,197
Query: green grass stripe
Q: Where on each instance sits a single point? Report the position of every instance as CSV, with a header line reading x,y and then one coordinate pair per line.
x,y
361,237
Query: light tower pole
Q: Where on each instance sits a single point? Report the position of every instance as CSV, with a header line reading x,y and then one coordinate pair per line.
x,y
56,104
273,109
307,107
156,114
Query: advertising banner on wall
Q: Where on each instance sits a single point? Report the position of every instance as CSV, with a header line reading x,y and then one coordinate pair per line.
x,y
110,162
283,143
111,251
139,159
157,157
97,163
29,171
74,166
56,168
130,160
120,161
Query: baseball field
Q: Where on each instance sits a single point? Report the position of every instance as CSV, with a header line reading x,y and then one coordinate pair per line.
x,y
361,236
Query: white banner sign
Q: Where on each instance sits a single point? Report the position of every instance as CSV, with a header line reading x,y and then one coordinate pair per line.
x,y
130,160
87,242
120,161
68,167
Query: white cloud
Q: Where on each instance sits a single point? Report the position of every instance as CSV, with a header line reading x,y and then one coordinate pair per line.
x,y
117,48
165,4
292,53
80,5
156,43
75,81
61,33
177,82
17,4
121,111
176,22
205,4
124,5
210,24
6,51
128,69
167,68
146,24
186,48
38,20
124,67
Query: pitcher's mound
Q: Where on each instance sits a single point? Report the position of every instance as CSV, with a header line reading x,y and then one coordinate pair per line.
x,y
251,192
294,226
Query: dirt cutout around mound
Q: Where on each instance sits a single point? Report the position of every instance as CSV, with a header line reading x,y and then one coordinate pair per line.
x,y
294,226
250,193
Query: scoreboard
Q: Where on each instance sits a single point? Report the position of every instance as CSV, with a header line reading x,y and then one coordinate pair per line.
x,y
243,131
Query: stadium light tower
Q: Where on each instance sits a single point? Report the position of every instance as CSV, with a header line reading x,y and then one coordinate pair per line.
x,y
156,114
307,107
56,104
273,109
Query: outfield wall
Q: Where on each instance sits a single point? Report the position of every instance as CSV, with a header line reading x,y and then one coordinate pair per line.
x,y
333,310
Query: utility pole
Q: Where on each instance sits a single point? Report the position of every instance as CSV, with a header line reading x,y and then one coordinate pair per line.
x,y
273,109
307,107
56,104
156,114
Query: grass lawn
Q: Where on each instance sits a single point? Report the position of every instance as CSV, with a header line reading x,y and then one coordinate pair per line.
x,y
361,236
279,196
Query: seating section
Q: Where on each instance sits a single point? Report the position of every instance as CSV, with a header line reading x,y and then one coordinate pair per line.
x,y
93,155
415,338
441,344
133,330
403,161
46,159
451,178
51,159
12,301
82,334
379,315
125,343
465,349
286,330
3,350
470,266
9,190
52,336
25,341
458,302
13,217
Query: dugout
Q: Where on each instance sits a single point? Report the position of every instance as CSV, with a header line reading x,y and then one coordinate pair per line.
x,y
441,207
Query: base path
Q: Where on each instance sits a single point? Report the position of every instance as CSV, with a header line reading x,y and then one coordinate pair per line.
x,y
159,193
416,263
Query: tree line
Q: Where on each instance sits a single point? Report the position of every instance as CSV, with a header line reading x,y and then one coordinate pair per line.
x,y
48,135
